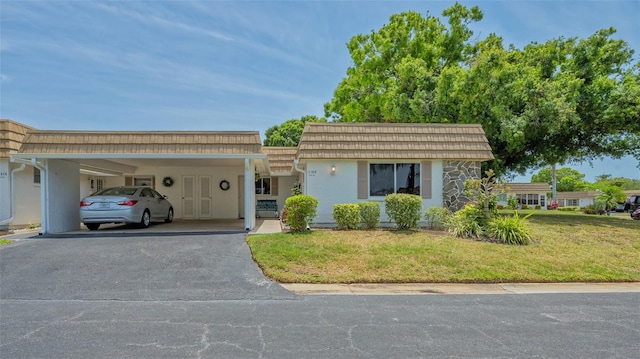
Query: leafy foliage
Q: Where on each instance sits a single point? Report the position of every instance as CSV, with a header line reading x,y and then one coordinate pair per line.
x,y
403,209
567,179
346,215
485,192
465,223
301,210
288,133
609,197
437,217
560,101
510,229
369,214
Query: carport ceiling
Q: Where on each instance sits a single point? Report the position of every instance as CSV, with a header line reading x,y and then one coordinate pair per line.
x,y
129,165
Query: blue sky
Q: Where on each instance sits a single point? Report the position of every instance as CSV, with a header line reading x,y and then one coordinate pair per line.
x,y
230,65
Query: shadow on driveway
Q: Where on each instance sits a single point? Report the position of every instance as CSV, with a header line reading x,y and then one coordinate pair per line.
x,y
169,267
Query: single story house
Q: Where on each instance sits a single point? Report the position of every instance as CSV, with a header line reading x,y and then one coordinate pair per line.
x,y
529,194
230,175
583,198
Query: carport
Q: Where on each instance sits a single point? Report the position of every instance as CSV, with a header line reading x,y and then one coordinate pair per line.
x,y
212,172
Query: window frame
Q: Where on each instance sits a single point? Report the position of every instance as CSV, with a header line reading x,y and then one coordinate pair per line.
x,y
396,187
261,180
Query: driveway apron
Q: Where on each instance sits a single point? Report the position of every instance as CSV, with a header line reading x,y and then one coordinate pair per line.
x,y
190,267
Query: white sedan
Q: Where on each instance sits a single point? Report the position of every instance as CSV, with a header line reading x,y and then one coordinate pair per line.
x,y
141,205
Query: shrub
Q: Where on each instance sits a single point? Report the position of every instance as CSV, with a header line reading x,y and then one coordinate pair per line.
x,y
369,214
524,206
465,223
346,215
404,209
568,209
596,208
510,230
553,205
301,210
538,206
437,217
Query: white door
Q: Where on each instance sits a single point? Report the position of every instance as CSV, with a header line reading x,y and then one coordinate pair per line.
x,y
188,197
204,197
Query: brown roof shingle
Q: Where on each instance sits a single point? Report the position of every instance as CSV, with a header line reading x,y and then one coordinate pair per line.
x,y
141,142
535,187
393,141
280,158
11,135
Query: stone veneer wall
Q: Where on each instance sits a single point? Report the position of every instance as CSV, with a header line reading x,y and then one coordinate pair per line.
x,y
454,175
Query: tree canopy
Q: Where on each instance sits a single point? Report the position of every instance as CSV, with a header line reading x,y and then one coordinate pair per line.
x,y
568,179
560,101
288,133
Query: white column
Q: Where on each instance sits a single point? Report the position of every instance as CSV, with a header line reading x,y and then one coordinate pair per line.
x,y
249,196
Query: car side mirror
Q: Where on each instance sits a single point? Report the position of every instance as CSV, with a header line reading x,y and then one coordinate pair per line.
x,y
165,197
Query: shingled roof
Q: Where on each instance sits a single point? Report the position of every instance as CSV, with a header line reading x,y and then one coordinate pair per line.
x,y
11,136
394,141
535,187
280,158
141,142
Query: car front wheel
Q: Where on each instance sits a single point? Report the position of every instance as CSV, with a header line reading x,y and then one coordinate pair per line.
x,y
169,218
146,219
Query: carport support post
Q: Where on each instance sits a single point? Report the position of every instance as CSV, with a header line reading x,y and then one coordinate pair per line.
x,y
249,196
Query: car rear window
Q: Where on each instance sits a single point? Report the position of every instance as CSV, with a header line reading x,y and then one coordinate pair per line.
x,y
120,191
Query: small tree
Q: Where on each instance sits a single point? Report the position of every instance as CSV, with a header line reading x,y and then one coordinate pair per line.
x,y
609,197
485,192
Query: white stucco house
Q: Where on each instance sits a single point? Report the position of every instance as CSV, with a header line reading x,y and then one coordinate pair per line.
x,y
230,175
528,194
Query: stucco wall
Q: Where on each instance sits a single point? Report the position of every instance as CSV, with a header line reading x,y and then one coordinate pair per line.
x,y
225,203
341,187
27,196
63,181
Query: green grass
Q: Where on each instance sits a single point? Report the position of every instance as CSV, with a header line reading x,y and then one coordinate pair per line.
x,y
567,247
5,241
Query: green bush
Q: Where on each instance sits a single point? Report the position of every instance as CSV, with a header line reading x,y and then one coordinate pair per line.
x,y
404,209
346,215
301,210
369,214
538,206
596,208
509,230
568,209
437,217
465,223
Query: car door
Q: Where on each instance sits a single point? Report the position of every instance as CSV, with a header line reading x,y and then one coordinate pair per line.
x,y
161,204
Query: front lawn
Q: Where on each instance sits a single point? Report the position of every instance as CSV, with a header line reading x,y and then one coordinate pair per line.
x,y
569,247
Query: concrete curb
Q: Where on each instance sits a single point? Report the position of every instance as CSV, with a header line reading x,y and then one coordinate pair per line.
x,y
455,288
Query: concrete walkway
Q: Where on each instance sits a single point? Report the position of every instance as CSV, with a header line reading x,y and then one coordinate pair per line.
x,y
455,288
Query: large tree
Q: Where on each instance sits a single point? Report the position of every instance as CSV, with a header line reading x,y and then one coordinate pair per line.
x,y
568,179
560,101
288,133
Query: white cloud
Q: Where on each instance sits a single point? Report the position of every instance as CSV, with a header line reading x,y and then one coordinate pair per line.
x,y
4,78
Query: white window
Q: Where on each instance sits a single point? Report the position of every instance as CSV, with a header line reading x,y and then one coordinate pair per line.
x,y
386,178
263,185
36,175
143,181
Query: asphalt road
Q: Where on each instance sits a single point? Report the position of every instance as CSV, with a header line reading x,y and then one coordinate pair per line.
x,y
203,297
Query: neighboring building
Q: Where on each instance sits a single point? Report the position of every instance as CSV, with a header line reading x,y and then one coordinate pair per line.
x,y
576,198
19,182
230,175
529,194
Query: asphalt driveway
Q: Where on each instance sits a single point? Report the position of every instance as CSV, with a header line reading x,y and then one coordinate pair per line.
x,y
192,267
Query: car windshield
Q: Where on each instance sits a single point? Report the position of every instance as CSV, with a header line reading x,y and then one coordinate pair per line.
x,y
118,191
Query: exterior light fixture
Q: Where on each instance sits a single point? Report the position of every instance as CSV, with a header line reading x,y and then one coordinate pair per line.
x,y
333,169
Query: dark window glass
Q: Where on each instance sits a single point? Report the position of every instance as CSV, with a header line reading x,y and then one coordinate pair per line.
x,y
381,179
36,175
263,186
408,178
